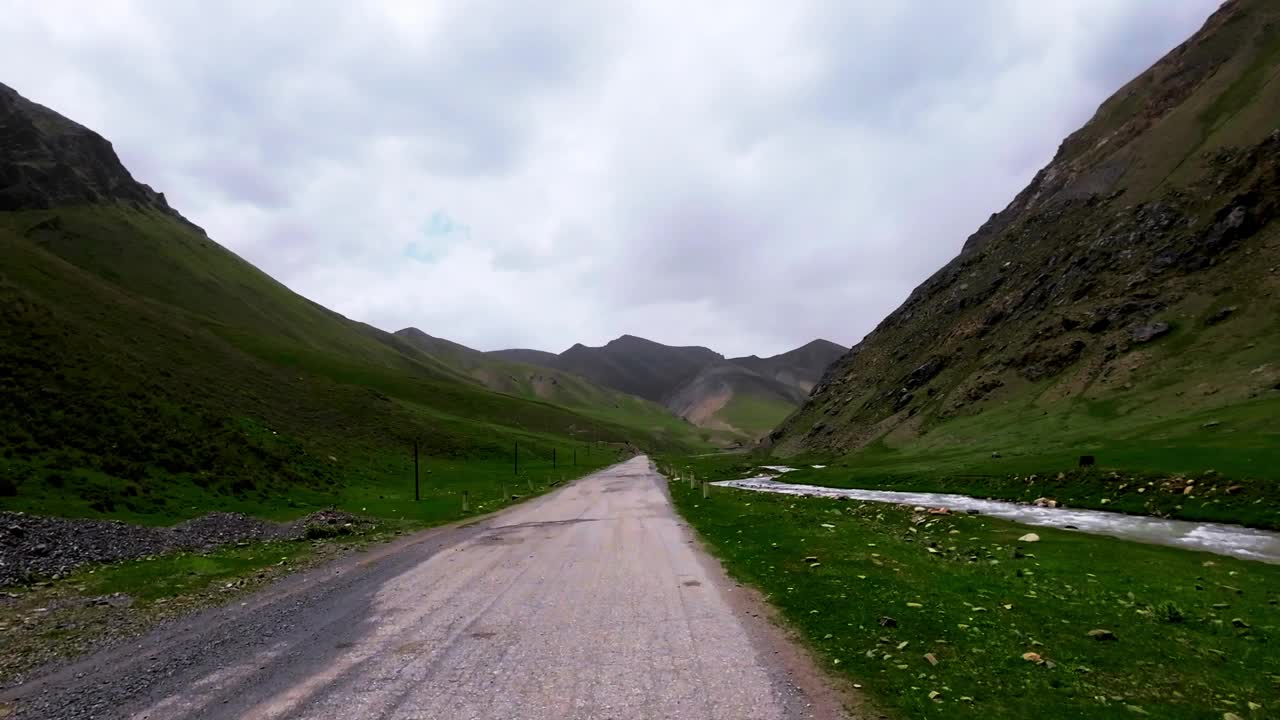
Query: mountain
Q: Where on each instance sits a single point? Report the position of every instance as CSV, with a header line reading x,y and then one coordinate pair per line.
x,y
634,365
148,372
529,357
745,396
496,372
800,368
1124,304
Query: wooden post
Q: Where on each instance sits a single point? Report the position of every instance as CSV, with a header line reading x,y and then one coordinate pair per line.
x,y
466,501
515,458
706,489
417,496
530,479
505,495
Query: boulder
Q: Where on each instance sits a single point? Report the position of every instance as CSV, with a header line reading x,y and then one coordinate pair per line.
x,y
1147,333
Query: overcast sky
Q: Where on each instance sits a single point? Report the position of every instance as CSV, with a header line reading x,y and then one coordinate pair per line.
x,y
744,175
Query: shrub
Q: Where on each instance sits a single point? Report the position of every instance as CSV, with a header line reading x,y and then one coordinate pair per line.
x,y
1171,613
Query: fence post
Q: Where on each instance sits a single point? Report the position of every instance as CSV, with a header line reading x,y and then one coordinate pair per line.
x,y
466,501
417,495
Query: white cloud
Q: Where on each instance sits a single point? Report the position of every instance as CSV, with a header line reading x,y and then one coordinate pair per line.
x,y
745,177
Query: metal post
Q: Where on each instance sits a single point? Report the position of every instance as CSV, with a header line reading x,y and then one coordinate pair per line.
x,y
417,495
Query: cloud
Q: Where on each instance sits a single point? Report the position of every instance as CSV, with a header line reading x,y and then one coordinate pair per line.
x,y
541,174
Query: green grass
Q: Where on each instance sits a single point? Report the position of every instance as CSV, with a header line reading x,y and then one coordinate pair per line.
x,y
754,414
148,374
965,590
152,579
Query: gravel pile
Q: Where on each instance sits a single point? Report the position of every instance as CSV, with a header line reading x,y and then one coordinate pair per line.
x,y
33,546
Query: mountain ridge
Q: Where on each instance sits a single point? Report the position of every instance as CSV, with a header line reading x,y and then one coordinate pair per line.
x,y
747,395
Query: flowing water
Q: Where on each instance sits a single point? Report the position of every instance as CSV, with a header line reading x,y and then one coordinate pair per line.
x,y
1234,540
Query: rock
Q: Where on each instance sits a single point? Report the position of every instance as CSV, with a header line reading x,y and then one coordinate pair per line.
x,y
995,454
1032,657
1230,716
1147,333
940,511
886,621
48,546
931,658
1102,635
1029,538
971,511
1045,502
1212,424
1239,623
115,600
1220,315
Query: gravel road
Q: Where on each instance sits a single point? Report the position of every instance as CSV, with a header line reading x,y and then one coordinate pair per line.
x,y
591,602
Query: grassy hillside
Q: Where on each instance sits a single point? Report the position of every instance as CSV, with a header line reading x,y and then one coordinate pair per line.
x,y
734,398
149,373
1123,305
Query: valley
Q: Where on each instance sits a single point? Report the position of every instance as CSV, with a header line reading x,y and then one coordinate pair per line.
x,y
1046,485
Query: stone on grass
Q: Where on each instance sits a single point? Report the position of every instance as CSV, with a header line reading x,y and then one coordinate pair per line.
x,y
888,622
931,658
1101,635
1029,538
1032,657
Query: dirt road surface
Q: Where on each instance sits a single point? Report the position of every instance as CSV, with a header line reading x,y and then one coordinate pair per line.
x,y
591,602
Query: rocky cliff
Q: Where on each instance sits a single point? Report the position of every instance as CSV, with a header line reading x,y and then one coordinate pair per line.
x,y
49,161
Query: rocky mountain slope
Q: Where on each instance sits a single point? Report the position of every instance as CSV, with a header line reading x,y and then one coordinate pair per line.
x,y
49,161
746,396
1127,298
148,372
